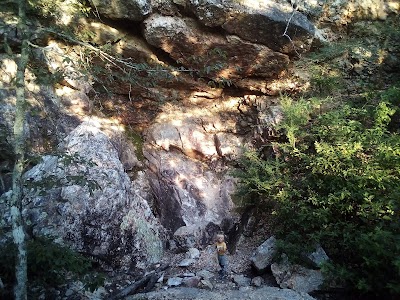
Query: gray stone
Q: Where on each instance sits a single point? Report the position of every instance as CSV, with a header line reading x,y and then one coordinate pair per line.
x,y
205,274
245,288
174,281
257,281
296,277
184,293
121,41
188,274
191,281
185,237
211,12
318,257
250,227
207,284
69,292
262,22
161,279
246,59
191,197
241,280
134,10
342,13
104,206
172,245
193,253
262,257
45,129
186,262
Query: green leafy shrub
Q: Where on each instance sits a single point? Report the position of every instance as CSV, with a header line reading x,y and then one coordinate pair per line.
x,y
333,178
49,265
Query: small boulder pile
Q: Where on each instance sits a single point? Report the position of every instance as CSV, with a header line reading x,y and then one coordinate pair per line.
x,y
288,275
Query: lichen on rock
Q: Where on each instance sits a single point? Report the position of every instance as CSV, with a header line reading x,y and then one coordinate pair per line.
x,y
110,219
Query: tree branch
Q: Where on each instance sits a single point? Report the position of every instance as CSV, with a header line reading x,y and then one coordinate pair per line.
x,y
286,29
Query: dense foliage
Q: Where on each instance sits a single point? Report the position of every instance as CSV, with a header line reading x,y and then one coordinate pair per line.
x,y
330,172
49,265
333,178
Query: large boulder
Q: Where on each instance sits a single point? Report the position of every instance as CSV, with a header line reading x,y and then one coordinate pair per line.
x,y
120,41
186,237
134,10
133,58
274,24
343,12
297,277
85,199
210,54
211,12
300,278
263,256
197,139
185,149
187,192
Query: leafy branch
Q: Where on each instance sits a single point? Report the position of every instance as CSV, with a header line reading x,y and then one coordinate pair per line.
x,y
65,160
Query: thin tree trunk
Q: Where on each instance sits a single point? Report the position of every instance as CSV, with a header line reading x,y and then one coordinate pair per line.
x,y
20,289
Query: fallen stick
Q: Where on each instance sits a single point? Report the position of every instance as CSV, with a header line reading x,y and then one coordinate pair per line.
x,y
147,282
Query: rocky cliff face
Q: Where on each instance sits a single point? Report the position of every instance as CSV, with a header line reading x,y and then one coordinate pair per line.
x,y
213,71
83,198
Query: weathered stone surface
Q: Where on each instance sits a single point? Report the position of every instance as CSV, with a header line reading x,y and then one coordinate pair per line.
x,y
268,26
52,115
211,12
122,42
134,10
211,54
126,152
174,281
205,274
111,221
262,257
347,11
191,281
318,257
132,50
257,281
204,136
189,182
168,7
171,245
296,277
241,280
250,226
186,237
207,284
187,193
186,262
264,293
193,253
262,22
